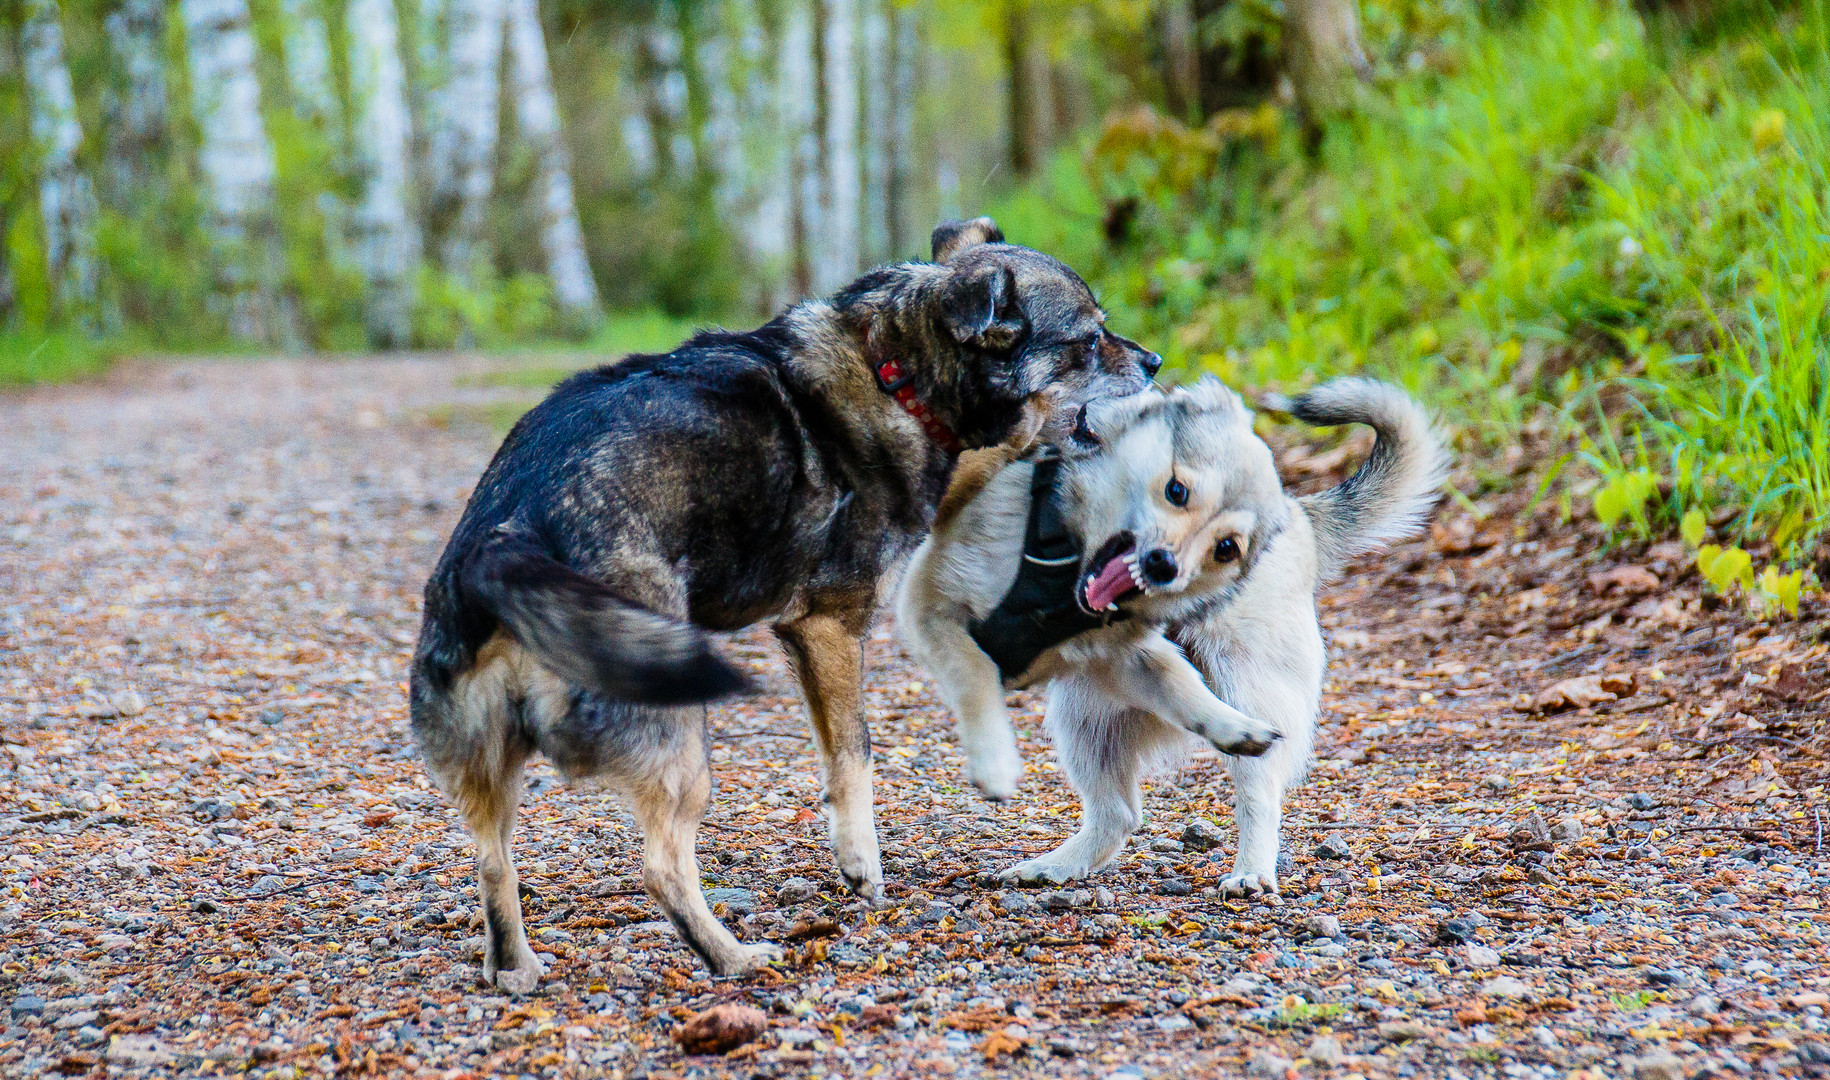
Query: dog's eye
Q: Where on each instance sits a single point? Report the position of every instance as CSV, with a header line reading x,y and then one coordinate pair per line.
x,y
1176,492
1093,340
1227,550
1082,433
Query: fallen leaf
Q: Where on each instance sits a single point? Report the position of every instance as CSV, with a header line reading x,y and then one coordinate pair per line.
x,y
721,1029
1624,581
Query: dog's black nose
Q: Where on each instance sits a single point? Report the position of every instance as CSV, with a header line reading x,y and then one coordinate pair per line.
x,y
1159,566
1151,363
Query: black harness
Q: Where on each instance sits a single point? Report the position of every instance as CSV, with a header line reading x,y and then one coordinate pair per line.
x,y
1040,611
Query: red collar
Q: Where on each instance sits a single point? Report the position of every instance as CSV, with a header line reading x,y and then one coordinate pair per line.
x,y
901,386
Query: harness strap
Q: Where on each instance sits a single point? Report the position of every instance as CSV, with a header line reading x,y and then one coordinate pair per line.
x,y
1040,611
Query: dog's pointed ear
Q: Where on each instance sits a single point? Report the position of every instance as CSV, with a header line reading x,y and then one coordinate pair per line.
x,y
980,311
953,237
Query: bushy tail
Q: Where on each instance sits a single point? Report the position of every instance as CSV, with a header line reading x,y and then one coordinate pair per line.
x,y
1392,493
588,635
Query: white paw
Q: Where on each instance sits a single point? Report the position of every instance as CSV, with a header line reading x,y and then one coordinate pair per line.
x,y
1239,884
863,875
1041,872
1241,740
997,776
752,957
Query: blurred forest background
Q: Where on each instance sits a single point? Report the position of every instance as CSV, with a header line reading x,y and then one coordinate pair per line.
x,y
1591,233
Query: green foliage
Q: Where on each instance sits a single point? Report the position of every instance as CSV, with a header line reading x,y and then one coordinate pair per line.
x,y
1569,220
41,356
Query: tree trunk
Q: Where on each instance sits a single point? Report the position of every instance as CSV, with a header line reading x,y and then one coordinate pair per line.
x,y
308,74
537,114
66,199
800,111
878,105
463,147
1181,59
135,110
386,239
899,211
1322,50
1021,111
839,67
427,83
237,163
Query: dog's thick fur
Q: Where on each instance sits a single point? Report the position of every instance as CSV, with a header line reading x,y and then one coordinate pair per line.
x,y
1222,642
742,477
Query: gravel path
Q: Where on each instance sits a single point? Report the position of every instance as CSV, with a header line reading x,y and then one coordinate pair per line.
x,y
1567,819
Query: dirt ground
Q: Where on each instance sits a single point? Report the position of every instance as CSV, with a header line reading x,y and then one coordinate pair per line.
x,y
1566,820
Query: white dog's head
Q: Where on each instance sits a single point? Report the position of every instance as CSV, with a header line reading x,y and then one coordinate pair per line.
x,y
1172,493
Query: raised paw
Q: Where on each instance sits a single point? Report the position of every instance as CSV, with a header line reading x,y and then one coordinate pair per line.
x,y
1249,885
1249,743
1040,872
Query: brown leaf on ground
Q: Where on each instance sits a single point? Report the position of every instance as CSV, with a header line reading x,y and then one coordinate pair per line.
x,y
1790,684
721,1029
1624,581
1463,536
999,1043
812,928
1581,692
982,1018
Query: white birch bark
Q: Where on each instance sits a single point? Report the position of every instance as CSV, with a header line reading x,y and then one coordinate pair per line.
x,y
66,199
537,114
899,211
798,87
387,241
237,164
426,87
1322,44
463,147
136,108
839,261
307,56
878,101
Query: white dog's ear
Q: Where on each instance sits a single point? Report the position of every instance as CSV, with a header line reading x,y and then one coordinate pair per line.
x,y
1210,395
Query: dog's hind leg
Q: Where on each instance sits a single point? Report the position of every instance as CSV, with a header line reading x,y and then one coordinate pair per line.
x,y
1102,746
828,656
1260,783
669,789
508,962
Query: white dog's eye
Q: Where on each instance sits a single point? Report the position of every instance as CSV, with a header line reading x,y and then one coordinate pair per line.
x,y
1227,550
1176,492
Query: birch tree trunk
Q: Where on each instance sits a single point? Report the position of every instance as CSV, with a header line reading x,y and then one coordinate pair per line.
x,y
463,147
839,262
237,164
307,56
799,89
898,212
426,88
386,239
1322,49
135,110
537,114
66,199
878,103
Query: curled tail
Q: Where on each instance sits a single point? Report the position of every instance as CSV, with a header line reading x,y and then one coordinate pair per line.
x,y
1392,493
587,634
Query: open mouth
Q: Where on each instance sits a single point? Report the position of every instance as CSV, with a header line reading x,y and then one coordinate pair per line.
x,y
1112,575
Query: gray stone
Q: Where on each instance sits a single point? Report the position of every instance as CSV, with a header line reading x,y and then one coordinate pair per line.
x,y
1481,956
1567,829
1166,845
1504,986
1201,834
1012,902
1065,1047
271,717
1639,800
796,890
1268,1062
138,1051
1657,1065
1402,1030
1496,782
1174,1022
1334,846
1325,1051
27,1005
739,901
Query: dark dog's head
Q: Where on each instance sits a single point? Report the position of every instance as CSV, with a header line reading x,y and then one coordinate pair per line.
x,y
987,324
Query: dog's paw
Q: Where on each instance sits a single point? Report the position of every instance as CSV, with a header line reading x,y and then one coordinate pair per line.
x,y
864,881
1040,872
1248,885
997,778
748,958
1248,743
519,980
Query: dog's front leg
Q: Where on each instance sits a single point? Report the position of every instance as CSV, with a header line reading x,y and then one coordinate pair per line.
x,y
828,655
1156,676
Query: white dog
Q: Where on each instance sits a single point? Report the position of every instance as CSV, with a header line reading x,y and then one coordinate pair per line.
x,y
1168,590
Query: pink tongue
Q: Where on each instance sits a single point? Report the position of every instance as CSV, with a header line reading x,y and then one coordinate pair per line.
x,y
1112,582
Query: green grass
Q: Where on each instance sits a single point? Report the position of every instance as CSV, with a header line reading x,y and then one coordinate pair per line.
x,y
29,358
1572,224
